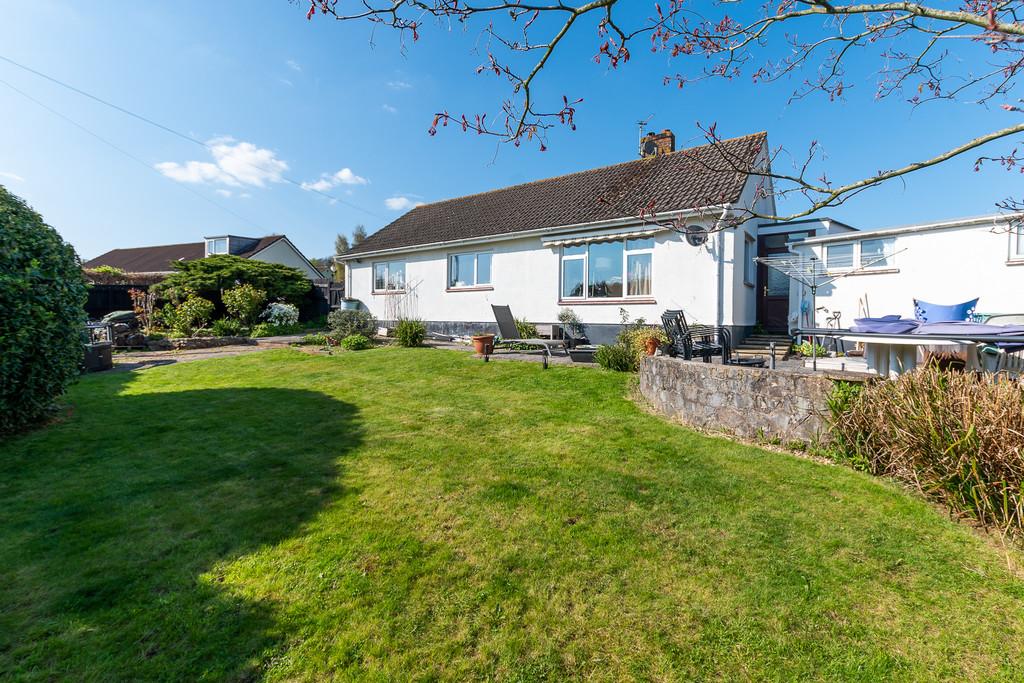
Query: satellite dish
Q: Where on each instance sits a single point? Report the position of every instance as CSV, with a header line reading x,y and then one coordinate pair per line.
x,y
649,148
696,235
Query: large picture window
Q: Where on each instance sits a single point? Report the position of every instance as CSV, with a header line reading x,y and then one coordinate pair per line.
x,y
607,270
389,276
469,270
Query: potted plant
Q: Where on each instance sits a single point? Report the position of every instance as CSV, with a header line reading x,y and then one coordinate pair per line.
x,y
572,328
483,344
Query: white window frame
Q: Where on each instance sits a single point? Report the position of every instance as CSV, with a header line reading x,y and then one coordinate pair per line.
x,y
749,264
585,257
476,284
387,277
889,255
854,255
1017,243
211,246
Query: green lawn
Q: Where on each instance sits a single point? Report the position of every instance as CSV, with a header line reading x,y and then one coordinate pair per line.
x,y
419,515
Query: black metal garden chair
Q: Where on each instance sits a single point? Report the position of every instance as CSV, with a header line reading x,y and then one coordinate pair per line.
x,y
693,341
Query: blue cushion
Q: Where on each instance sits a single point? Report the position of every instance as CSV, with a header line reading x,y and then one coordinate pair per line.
x,y
937,313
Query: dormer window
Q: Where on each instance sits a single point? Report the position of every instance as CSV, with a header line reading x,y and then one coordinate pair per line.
x,y
216,245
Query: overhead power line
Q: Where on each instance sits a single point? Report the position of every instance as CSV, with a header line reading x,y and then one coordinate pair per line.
x,y
176,133
130,155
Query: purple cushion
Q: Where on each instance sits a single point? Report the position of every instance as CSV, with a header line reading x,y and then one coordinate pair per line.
x,y
889,324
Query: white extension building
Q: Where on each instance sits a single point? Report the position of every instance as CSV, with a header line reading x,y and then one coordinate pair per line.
x,y
947,262
576,241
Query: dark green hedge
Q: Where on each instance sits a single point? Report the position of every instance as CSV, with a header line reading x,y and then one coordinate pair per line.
x,y
208,276
42,299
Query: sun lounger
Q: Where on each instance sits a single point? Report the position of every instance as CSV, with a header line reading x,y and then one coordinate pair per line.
x,y
508,333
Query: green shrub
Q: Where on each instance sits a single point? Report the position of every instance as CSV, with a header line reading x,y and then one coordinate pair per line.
x,y
269,330
244,302
807,350
527,330
228,327
616,357
956,437
346,322
318,340
42,300
356,342
192,314
209,276
635,339
410,332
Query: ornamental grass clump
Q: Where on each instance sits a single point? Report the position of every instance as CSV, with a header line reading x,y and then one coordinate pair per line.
x,y
956,437
410,332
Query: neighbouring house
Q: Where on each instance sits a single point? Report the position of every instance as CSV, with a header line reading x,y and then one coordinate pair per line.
x,y
944,262
585,241
158,259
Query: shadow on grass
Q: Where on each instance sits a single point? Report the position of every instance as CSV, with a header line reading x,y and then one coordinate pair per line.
x,y
118,524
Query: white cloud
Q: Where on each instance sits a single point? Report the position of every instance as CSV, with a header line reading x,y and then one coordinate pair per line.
x,y
401,203
389,109
285,81
293,65
345,176
399,85
224,193
235,164
11,176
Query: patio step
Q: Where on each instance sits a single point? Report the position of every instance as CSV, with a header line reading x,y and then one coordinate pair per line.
x,y
760,345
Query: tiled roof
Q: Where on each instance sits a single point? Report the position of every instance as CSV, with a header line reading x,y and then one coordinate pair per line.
x,y
260,245
686,179
149,259
158,259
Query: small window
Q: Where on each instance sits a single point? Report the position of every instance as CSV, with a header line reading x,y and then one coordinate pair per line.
x,y
1018,233
749,264
217,246
878,253
389,277
839,256
469,270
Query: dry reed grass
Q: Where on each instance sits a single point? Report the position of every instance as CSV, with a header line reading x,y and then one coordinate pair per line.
x,y
954,436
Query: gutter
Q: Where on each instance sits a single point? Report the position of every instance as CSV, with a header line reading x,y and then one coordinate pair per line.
x,y
505,236
994,221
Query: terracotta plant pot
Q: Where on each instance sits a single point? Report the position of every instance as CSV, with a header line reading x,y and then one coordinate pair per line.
x,y
651,345
483,344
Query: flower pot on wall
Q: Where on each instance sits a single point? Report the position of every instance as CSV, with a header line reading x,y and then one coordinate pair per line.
x,y
651,345
483,344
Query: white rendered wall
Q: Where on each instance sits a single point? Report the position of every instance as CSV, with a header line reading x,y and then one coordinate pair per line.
x,y
283,253
525,276
946,266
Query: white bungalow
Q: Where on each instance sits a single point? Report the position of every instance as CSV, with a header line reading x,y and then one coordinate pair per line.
x,y
576,241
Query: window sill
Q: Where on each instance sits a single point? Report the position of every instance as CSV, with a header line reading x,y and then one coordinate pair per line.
x,y
607,302
874,271
748,284
481,288
388,292
1015,261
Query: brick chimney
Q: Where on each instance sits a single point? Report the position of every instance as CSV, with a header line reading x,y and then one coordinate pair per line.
x,y
664,142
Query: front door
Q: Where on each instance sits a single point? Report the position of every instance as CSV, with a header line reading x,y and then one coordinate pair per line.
x,y
773,286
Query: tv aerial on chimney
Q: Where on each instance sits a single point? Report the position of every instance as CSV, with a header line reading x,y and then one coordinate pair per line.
x,y
645,148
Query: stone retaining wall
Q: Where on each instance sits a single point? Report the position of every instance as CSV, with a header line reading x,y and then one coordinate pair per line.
x,y
197,343
748,402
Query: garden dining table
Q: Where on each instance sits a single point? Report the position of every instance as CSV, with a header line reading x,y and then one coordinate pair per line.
x,y
892,354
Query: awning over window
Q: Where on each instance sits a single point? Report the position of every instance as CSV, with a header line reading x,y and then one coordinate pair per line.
x,y
587,238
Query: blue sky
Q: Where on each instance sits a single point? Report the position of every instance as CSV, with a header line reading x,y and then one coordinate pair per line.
x,y
316,102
